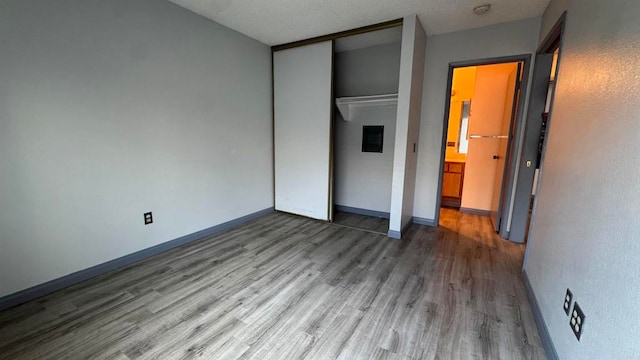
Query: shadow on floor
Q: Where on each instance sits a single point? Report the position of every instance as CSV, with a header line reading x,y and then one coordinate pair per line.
x,y
363,222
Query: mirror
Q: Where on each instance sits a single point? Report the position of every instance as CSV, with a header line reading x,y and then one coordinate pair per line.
x,y
463,138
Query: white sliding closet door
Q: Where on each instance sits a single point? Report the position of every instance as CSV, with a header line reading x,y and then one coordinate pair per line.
x,y
302,79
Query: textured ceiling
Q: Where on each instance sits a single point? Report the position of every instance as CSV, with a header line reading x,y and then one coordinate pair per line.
x,y
275,22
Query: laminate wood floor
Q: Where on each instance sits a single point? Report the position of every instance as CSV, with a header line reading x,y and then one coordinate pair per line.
x,y
370,223
285,287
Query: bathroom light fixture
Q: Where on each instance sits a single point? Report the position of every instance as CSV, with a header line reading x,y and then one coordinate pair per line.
x,y
481,9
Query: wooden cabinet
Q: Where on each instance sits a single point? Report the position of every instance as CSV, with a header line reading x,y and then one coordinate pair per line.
x,y
452,181
452,185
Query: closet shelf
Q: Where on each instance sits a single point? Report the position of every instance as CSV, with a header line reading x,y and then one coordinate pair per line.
x,y
347,104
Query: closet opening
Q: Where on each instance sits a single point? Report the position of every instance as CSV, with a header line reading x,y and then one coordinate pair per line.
x,y
366,79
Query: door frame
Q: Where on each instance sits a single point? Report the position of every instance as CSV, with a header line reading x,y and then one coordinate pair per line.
x,y
522,200
513,143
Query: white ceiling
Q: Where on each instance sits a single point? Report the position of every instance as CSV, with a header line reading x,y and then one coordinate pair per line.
x,y
275,22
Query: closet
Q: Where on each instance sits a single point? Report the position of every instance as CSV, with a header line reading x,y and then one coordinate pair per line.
x,y
346,122
366,75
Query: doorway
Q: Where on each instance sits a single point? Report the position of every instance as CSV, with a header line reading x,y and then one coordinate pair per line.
x,y
531,164
484,111
544,124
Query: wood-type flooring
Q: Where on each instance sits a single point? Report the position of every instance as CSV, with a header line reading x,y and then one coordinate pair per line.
x,y
286,287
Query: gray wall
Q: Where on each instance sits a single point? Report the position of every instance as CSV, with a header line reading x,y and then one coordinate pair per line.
x,y
514,38
369,71
109,109
551,15
363,180
585,228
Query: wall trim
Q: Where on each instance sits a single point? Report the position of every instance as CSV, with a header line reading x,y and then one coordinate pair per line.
x,y
425,222
475,211
394,234
366,212
398,234
547,342
37,291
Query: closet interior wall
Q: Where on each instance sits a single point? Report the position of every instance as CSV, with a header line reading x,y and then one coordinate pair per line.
x,y
363,180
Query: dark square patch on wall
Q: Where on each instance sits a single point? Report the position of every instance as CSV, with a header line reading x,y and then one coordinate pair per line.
x,y
372,137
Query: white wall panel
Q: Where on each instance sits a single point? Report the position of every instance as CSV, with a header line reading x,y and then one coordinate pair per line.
x,y
302,129
407,124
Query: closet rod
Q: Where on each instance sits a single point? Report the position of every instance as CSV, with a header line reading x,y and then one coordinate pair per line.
x,y
488,136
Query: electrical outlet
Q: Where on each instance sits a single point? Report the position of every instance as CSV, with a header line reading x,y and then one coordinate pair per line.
x,y
577,320
148,218
567,302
